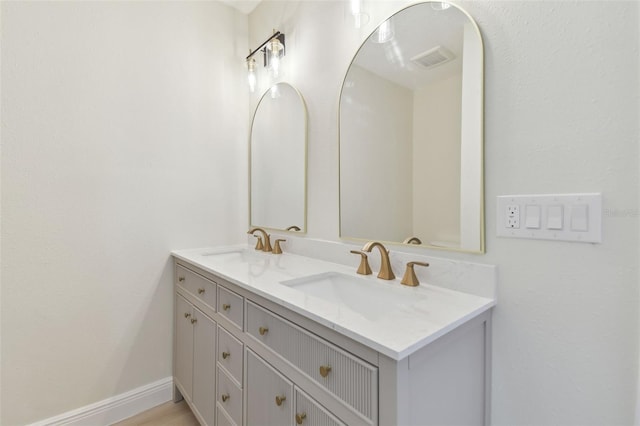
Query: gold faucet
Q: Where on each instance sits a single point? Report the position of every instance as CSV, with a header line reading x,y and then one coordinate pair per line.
x,y
386,273
412,240
293,228
266,240
364,268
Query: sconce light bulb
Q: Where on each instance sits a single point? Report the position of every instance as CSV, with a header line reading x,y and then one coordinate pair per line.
x,y
274,63
251,76
385,32
275,51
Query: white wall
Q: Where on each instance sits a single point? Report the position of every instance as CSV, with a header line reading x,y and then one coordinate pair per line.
x,y
124,131
561,115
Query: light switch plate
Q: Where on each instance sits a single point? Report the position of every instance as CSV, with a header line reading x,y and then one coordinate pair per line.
x,y
580,221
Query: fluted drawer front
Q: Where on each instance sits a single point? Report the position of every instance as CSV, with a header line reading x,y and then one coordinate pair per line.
x,y
230,353
199,286
352,380
229,397
231,306
311,413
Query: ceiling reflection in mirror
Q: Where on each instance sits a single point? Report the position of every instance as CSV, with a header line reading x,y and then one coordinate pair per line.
x,y
411,132
278,160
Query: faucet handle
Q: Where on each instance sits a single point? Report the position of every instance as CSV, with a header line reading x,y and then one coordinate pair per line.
x,y
410,277
364,268
259,245
276,247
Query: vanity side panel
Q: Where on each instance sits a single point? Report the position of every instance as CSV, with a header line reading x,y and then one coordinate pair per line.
x,y
447,380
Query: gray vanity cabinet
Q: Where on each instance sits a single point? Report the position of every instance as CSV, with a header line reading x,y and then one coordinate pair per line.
x,y
243,360
195,358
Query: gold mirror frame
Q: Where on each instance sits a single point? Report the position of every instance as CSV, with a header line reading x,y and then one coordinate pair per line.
x,y
481,224
303,226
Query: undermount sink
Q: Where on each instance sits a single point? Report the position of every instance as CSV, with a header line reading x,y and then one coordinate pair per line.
x,y
236,255
370,298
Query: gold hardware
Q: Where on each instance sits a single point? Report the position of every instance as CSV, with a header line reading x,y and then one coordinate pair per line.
x,y
259,245
263,330
180,279
386,273
194,320
226,306
364,268
225,355
412,240
324,370
267,241
200,290
410,277
225,397
300,418
280,400
187,314
293,228
276,248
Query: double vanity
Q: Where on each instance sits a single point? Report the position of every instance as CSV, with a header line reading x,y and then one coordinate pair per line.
x,y
284,339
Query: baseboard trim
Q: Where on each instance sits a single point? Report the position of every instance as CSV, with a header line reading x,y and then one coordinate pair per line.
x,y
117,408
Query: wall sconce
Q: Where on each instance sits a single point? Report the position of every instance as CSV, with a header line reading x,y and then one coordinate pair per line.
x,y
272,51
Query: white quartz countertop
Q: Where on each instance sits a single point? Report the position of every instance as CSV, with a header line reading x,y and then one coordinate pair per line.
x,y
391,328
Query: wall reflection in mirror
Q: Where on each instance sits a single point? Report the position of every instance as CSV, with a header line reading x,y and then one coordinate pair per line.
x,y
411,132
278,152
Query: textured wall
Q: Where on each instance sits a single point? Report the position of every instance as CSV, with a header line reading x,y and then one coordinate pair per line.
x,y
123,136
561,116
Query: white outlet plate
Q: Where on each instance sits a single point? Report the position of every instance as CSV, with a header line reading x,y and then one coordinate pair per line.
x,y
572,225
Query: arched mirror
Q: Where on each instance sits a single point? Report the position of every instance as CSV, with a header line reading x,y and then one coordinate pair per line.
x,y
411,132
278,160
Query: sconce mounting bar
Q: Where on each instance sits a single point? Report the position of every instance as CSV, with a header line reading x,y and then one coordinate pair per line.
x,y
276,34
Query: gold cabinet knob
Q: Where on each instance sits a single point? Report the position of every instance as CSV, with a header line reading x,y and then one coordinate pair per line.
x,y
225,397
180,279
280,399
200,290
194,320
225,355
324,370
187,314
226,306
300,418
263,330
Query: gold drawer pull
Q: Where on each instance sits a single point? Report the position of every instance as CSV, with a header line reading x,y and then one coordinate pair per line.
x,y
324,370
225,397
226,307
300,418
280,400
194,320
187,314
225,355
200,290
263,330
180,279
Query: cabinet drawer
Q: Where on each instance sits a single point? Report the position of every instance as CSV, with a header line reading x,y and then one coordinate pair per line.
x,y
230,306
229,397
197,285
222,418
311,413
230,353
352,380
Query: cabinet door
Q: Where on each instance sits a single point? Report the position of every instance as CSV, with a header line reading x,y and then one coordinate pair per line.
x,y
269,394
204,366
184,346
309,413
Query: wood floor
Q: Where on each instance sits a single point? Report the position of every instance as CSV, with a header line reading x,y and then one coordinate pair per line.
x,y
167,414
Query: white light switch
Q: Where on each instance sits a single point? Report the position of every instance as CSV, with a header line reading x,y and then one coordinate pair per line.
x,y
554,217
558,217
580,217
532,219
